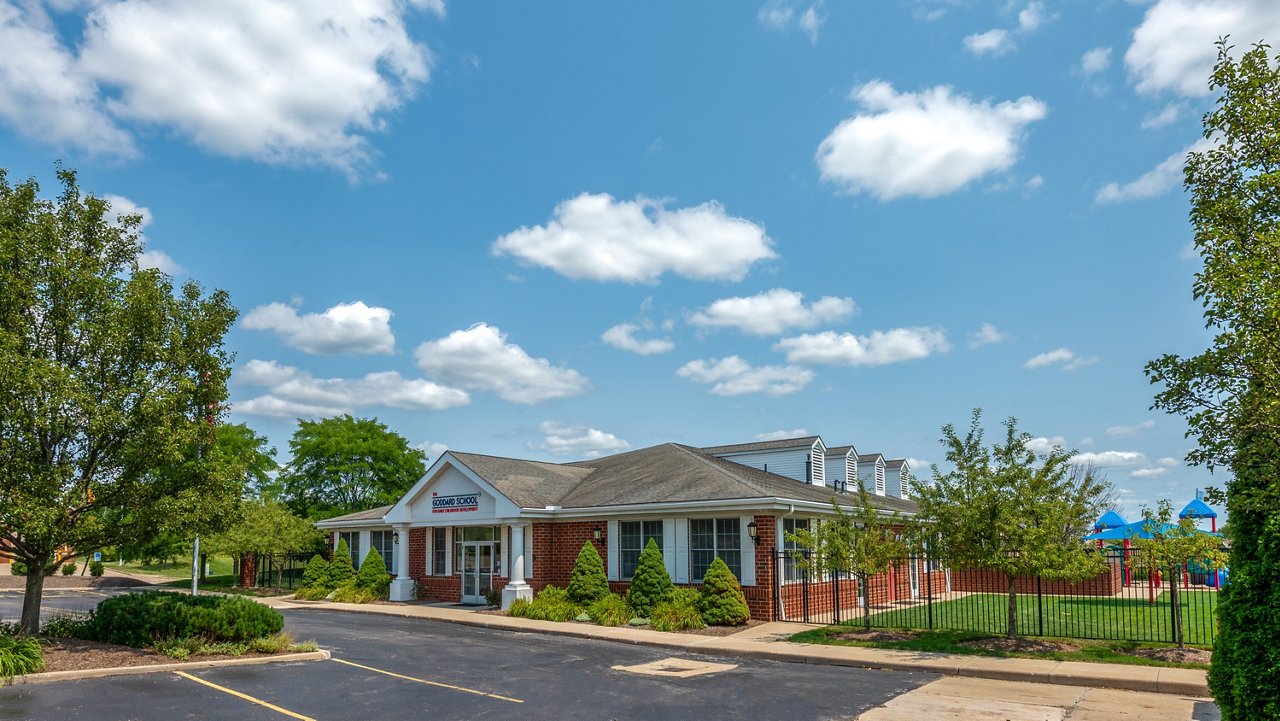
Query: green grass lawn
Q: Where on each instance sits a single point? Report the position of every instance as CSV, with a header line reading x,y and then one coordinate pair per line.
x,y
950,642
218,566
1131,619
226,584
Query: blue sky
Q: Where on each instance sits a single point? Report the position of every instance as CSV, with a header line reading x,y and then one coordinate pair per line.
x,y
556,233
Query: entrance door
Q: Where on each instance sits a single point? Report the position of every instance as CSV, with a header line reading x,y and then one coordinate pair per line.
x,y
477,571
915,577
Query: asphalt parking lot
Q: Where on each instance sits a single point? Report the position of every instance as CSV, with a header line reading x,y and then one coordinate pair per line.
x,y
390,668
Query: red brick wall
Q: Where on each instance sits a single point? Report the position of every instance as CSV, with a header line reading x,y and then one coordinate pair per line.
x,y
248,570
983,581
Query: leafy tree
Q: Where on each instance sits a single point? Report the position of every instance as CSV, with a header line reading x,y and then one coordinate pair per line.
x,y
345,464
1170,548
1230,393
111,379
722,602
650,584
251,456
587,581
341,570
264,528
1012,510
373,576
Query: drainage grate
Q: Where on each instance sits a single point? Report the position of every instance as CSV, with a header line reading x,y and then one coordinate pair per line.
x,y
677,668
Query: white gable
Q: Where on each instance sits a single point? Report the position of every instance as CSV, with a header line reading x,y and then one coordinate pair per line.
x,y
451,494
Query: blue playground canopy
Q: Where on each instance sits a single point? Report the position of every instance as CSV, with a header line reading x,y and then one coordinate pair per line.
x,y
1197,509
1140,529
1110,519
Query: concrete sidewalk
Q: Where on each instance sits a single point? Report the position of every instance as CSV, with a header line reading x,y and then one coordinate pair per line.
x,y
767,641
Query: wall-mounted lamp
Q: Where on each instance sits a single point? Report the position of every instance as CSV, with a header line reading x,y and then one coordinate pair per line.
x,y
595,532
753,533
395,537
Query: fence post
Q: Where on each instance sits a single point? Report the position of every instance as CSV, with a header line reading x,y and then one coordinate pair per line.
x,y
835,596
928,590
777,589
805,589
1040,604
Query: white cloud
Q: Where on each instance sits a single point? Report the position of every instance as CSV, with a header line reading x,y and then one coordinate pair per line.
x,y
995,42
920,468
986,335
733,376
1107,459
782,434
1148,472
1032,17
1168,462
481,358
149,258
623,336
1167,115
1159,180
1034,182
1060,356
1128,431
293,392
44,95
923,144
344,328
1095,61
785,14
432,449
1044,445
559,439
772,312
1173,48
878,348
636,241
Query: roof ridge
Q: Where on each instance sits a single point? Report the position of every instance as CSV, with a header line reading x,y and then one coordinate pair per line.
x,y
710,460
513,458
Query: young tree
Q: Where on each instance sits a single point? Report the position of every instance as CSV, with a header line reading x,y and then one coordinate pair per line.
x,y
1230,393
1012,510
1170,548
345,464
111,378
264,528
251,456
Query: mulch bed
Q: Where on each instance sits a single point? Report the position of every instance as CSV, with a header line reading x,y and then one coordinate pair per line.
x,y
1020,645
70,654
877,634
19,583
724,630
1175,655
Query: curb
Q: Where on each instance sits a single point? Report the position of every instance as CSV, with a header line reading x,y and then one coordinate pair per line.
x,y
53,676
1151,679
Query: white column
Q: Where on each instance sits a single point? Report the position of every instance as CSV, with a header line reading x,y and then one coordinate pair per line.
x,y
516,586
402,586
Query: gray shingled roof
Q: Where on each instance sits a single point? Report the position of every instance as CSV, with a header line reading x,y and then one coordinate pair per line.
x,y
529,484
372,514
839,450
869,457
895,463
802,442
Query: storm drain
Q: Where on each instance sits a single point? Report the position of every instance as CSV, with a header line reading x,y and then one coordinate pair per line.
x,y
677,668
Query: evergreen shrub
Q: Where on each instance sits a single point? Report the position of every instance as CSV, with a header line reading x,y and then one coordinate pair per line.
x,y
142,619
722,602
96,569
316,574
587,582
373,577
341,570
650,584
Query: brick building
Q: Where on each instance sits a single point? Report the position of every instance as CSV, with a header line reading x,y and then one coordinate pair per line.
x,y
476,523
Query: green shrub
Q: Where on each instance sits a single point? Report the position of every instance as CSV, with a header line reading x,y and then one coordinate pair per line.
x,y
493,598
519,608
17,568
610,610
316,574
551,604
19,656
312,593
68,569
639,621
677,615
9,628
650,584
583,617
587,582
351,593
723,603
96,569
373,577
143,619
340,569
68,627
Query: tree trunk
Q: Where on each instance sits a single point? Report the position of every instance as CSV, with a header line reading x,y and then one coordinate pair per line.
x,y
30,625
866,600
1012,631
204,561
1175,609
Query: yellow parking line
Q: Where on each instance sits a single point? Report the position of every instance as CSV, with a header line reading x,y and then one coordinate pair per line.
x,y
430,683
246,697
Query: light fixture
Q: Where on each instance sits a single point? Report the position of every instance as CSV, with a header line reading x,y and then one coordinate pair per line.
x,y
395,537
753,533
596,532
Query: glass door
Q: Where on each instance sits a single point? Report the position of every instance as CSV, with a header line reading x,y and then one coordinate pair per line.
x,y
484,570
915,577
470,577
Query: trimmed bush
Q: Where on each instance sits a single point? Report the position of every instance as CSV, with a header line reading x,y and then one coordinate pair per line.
x,y
19,656
312,593
316,574
373,577
352,593
587,582
96,569
650,584
610,610
680,613
551,604
68,627
519,608
143,619
68,569
723,603
341,571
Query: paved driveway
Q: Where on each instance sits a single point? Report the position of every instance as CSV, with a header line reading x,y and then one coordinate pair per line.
x,y
389,668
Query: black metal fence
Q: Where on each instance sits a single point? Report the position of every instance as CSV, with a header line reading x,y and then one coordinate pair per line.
x,y
282,571
1120,603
